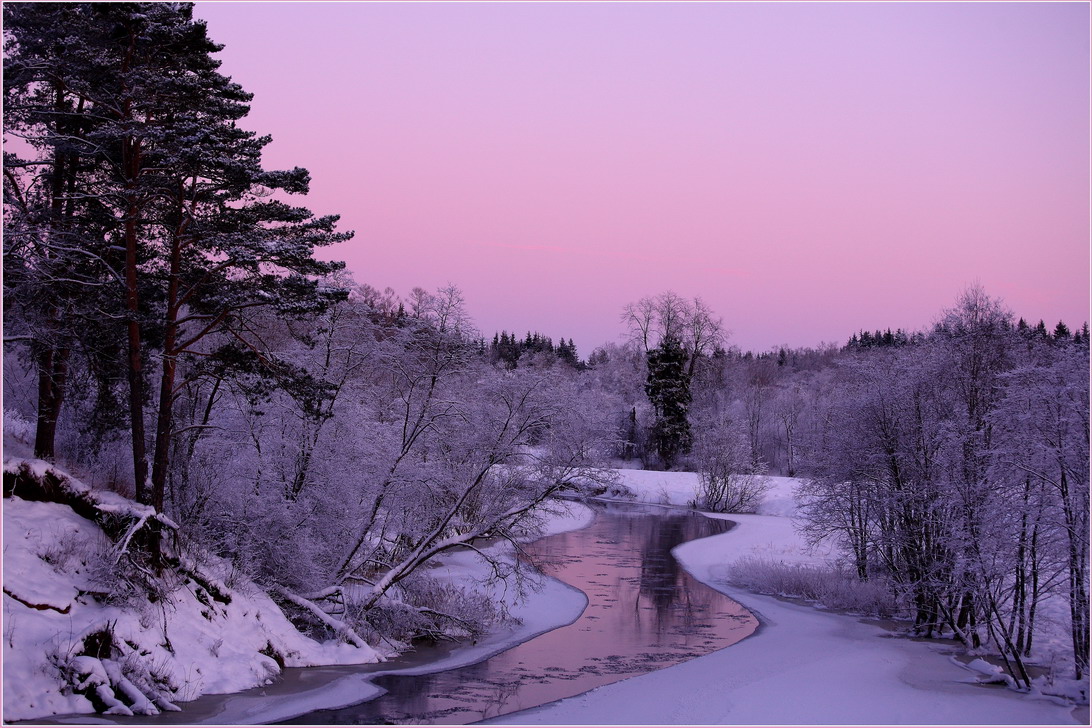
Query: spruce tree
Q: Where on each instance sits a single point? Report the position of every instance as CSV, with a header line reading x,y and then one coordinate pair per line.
x,y
668,389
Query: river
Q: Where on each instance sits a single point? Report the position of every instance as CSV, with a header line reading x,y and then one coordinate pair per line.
x,y
644,613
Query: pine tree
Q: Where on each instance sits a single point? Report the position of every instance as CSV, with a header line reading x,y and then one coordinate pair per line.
x,y
203,241
566,352
57,261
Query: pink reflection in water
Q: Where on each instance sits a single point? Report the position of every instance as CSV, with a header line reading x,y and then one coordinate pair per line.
x,y
644,613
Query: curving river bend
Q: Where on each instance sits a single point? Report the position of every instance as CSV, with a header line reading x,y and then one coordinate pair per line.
x,y
645,612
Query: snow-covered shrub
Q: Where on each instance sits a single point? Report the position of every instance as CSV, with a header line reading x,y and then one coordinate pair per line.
x,y
606,483
620,490
107,578
61,552
120,582
830,586
17,427
259,533
723,492
729,482
430,609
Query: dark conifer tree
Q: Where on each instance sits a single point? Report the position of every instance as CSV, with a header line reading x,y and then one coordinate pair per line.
x,y
58,266
668,389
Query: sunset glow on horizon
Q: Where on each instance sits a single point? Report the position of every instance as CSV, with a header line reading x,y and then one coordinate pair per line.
x,y
808,170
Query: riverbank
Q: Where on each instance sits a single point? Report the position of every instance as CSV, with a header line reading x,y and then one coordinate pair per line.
x,y
297,691
804,666
212,634
86,632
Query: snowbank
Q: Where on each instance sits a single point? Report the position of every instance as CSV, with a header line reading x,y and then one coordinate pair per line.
x,y
679,489
64,624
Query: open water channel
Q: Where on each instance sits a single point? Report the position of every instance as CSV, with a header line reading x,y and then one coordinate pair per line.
x,y
644,613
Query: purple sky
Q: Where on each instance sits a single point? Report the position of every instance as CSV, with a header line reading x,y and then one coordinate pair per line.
x,y
807,169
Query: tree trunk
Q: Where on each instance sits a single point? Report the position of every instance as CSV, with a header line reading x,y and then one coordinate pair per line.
x,y
136,363
1076,534
50,360
165,416
52,367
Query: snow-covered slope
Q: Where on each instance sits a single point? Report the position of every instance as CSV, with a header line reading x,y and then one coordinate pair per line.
x,y
69,634
552,605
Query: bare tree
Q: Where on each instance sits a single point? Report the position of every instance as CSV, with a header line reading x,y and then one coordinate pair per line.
x,y
728,481
641,319
788,407
693,324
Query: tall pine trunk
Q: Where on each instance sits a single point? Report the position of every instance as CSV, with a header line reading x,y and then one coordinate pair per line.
x,y
52,365
51,360
135,360
165,416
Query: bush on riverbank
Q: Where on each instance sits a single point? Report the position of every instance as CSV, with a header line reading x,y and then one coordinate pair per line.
x,y
829,585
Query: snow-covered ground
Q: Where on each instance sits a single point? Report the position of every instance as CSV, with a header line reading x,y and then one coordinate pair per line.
x,y
190,640
803,666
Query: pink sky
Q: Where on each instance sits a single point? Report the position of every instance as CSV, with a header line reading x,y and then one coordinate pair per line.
x,y
807,169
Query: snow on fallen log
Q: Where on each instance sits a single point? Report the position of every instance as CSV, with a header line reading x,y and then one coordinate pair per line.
x,y
987,672
98,679
138,701
339,627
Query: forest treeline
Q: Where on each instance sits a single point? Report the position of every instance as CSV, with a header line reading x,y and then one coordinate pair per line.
x,y
169,332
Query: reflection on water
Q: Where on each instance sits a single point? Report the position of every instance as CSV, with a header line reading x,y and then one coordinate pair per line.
x,y
644,613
